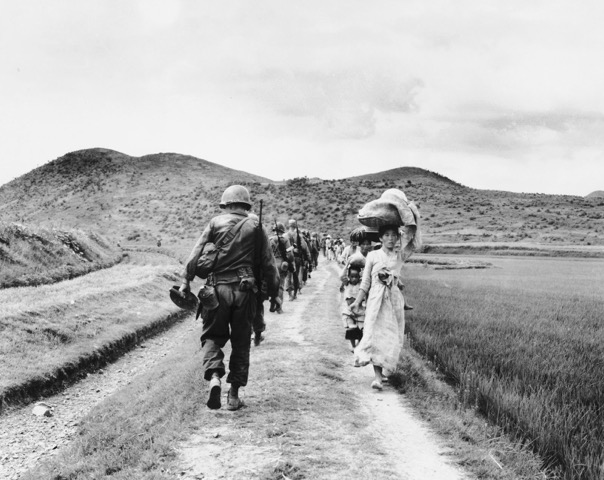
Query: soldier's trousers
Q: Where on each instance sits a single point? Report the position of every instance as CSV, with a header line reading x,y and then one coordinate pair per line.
x,y
282,278
232,321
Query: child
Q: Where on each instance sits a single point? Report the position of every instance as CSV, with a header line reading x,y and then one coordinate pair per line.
x,y
353,322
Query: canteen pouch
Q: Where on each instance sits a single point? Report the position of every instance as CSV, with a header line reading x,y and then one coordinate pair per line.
x,y
208,302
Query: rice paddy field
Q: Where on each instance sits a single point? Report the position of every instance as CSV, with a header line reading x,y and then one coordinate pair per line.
x,y
524,341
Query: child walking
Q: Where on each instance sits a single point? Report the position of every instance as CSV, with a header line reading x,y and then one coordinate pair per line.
x,y
353,321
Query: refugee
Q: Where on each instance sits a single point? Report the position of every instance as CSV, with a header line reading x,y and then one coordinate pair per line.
x,y
235,236
356,236
363,240
329,247
353,321
384,327
284,256
339,248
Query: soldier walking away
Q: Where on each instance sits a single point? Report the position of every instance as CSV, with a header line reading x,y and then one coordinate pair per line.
x,y
284,256
235,236
315,247
293,282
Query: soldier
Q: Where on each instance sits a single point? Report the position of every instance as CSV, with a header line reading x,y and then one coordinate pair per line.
x,y
293,283
233,280
284,256
315,247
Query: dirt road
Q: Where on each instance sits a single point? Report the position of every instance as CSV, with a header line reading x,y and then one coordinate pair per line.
x,y
309,413
377,434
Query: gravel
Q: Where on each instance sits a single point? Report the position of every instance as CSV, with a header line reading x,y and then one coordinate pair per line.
x,y
26,439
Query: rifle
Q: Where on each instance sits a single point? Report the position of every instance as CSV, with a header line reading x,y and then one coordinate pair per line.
x,y
298,263
258,259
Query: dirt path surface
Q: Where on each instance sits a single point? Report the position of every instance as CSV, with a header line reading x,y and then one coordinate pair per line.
x,y
26,439
376,434
309,413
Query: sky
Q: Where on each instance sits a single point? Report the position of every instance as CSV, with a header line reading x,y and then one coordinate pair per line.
x,y
504,95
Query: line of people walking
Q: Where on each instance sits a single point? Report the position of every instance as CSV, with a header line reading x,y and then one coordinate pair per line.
x,y
243,267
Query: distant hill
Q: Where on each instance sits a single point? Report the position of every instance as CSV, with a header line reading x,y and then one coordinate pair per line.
x,y
596,194
407,175
170,197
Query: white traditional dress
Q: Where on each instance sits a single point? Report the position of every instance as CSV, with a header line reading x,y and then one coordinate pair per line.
x,y
384,330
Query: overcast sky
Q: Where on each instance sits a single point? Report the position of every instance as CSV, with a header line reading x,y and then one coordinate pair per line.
x,y
505,95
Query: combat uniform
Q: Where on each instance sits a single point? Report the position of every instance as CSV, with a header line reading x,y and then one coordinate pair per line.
x,y
284,257
236,289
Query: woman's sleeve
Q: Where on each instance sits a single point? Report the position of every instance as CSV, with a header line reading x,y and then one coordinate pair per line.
x,y
366,282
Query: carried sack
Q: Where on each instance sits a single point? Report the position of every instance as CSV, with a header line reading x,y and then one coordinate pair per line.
x,y
209,256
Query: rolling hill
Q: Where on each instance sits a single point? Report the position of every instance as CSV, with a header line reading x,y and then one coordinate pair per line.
x,y
170,197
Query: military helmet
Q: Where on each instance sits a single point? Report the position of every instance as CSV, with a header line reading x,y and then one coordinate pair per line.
x,y
279,228
185,300
236,194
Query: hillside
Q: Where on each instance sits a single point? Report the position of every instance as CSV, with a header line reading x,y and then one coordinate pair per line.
x,y
408,174
596,194
170,197
35,256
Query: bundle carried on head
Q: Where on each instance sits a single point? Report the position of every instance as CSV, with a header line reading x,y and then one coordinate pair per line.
x,y
393,208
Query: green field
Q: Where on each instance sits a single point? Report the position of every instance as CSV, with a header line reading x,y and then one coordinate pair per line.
x,y
524,341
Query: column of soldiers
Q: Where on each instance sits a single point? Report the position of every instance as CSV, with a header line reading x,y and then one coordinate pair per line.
x,y
248,268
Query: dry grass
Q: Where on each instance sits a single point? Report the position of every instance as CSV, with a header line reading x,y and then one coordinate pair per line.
x,y
31,255
50,333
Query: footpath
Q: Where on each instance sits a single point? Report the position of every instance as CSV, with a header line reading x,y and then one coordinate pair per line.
x,y
311,413
308,414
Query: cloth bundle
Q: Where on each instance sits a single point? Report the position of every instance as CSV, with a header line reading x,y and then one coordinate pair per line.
x,y
393,208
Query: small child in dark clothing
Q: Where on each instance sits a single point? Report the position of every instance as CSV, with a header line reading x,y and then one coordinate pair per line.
x,y
353,323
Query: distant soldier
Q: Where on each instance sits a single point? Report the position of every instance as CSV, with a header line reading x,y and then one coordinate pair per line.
x,y
233,279
284,256
315,248
293,282
258,324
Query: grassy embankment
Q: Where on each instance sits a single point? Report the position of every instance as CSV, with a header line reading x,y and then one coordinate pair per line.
x,y
35,256
52,333
525,345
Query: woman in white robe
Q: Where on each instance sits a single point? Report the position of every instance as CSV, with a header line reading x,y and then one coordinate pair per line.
x,y
384,329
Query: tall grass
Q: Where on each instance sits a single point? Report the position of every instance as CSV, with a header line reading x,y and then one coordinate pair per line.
x,y
525,344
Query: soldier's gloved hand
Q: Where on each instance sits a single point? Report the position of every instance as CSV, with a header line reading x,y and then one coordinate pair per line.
x,y
184,288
